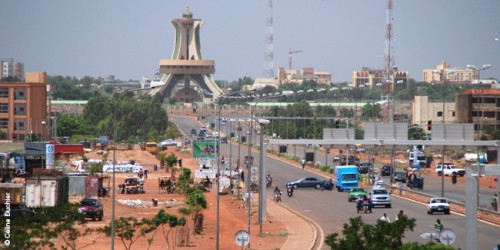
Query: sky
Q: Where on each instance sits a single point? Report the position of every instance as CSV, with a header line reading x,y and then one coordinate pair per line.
x,y
127,38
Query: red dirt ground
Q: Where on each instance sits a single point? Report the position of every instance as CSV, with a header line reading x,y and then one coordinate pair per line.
x,y
233,213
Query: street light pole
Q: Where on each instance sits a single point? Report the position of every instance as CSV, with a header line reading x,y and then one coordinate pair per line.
x,y
217,217
113,194
262,172
238,165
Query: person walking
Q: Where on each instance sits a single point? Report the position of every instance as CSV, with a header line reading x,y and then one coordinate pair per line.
x,y
385,218
400,215
439,227
494,202
303,162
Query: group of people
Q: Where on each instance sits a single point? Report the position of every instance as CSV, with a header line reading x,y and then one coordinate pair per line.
x,y
400,215
364,201
168,185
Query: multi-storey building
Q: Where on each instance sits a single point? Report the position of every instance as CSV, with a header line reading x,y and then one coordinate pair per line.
x,y
437,112
300,75
11,69
443,73
23,108
479,106
367,77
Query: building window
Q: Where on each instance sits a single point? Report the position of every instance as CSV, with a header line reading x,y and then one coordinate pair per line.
x,y
4,123
4,92
440,114
4,108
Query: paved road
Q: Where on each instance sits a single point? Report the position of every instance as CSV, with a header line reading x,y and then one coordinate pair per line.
x,y
330,209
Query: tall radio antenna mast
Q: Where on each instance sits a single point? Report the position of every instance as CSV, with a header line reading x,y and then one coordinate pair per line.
x,y
389,51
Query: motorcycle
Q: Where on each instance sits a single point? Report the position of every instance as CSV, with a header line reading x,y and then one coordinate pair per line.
x,y
328,185
269,182
359,205
289,191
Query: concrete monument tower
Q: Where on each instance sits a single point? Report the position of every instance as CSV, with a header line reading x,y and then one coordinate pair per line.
x,y
186,76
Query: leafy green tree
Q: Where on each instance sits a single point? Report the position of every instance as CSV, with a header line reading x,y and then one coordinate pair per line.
x,y
171,161
172,131
129,230
164,219
370,111
47,224
382,235
138,118
195,203
70,124
238,85
10,79
416,133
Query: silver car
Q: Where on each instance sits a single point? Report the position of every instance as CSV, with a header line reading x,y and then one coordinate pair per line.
x,y
380,197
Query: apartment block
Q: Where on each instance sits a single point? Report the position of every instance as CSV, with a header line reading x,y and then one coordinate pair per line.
x,y
23,108
300,75
479,106
10,68
437,112
443,73
368,77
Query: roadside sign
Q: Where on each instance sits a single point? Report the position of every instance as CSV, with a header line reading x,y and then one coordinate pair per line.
x,y
242,238
205,149
254,178
447,237
254,170
203,173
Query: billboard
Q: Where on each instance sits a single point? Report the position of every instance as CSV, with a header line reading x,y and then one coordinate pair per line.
x,y
205,149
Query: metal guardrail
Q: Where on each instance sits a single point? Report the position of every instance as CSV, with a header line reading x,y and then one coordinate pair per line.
x,y
457,207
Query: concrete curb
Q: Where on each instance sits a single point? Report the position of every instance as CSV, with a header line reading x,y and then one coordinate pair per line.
x,y
300,238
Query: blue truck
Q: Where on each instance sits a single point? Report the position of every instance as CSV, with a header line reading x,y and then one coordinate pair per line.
x,y
347,177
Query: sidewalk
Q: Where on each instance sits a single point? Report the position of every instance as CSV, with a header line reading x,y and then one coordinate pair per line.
x,y
302,234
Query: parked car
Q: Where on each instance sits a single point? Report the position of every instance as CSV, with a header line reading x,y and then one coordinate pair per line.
x,y
355,192
307,182
438,205
193,132
380,197
365,167
400,176
91,208
449,169
386,170
169,142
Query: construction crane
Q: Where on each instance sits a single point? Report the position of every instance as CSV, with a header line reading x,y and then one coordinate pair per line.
x,y
290,53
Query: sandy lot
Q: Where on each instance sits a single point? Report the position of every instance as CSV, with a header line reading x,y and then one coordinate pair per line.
x,y
233,212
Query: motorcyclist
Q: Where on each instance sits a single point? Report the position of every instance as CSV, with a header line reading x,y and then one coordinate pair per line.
x,y
269,180
289,189
328,184
368,199
359,204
